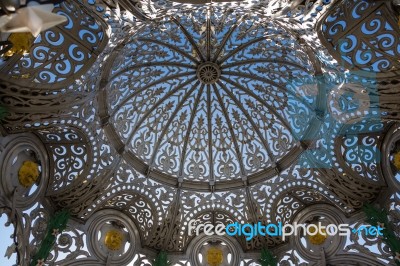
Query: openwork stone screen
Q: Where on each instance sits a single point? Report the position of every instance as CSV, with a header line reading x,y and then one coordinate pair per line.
x,y
146,116
210,96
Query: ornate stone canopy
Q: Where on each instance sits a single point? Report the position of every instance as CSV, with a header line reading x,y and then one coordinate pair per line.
x,y
141,117
209,98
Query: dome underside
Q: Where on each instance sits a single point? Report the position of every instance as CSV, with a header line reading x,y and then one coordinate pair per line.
x,y
243,122
205,117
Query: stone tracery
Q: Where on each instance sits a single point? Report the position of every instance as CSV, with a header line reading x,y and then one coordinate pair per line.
x,y
215,115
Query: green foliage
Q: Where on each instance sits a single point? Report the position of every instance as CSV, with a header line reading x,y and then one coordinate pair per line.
x,y
3,112
57,223
161,259
267,258
376,217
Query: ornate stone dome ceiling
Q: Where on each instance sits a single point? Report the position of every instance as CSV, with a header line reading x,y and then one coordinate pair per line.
x,y
210,96
147,116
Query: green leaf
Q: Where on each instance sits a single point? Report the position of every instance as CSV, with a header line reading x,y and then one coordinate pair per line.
x,y
161,259
267,258
56,222
379,215
3,112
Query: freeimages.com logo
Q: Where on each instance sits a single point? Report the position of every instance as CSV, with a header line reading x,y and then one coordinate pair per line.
x,y
249,231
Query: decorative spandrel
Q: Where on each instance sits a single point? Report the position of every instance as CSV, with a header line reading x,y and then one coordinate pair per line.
x,y
210,96
61,54
363,35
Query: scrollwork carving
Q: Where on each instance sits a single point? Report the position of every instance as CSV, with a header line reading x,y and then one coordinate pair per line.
x,y
363,35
